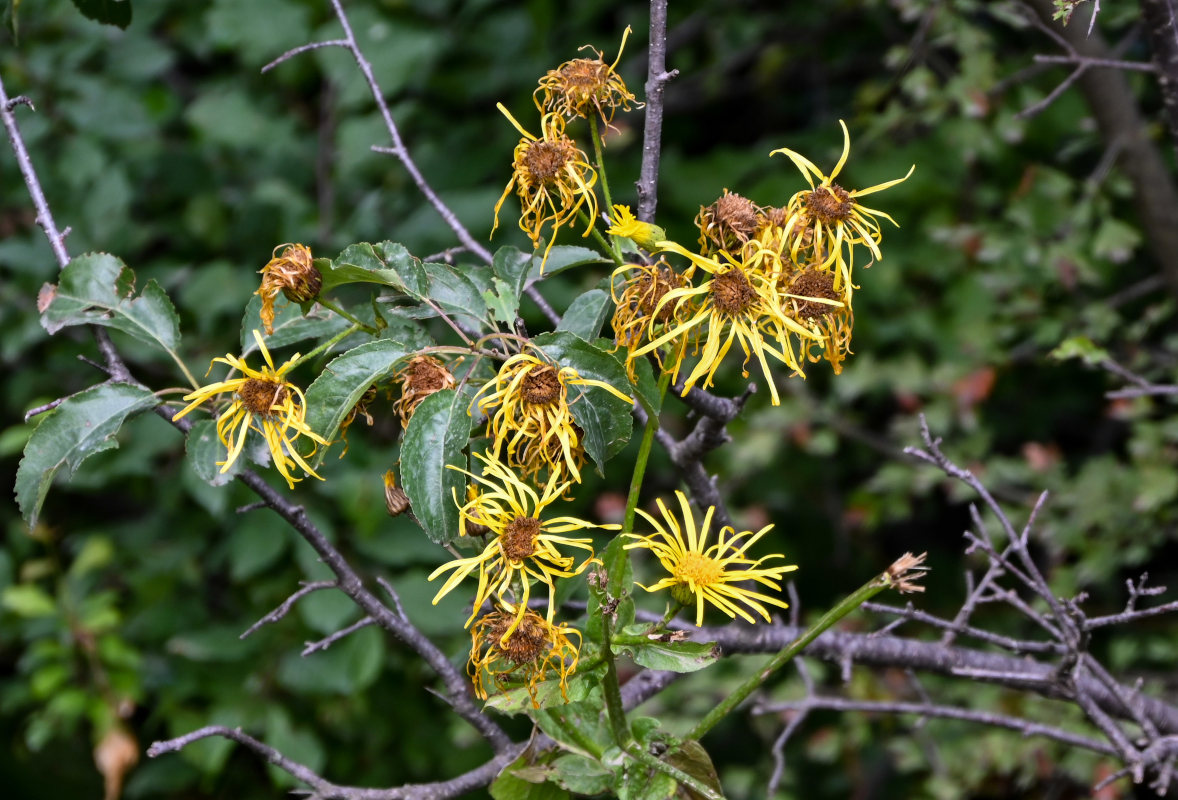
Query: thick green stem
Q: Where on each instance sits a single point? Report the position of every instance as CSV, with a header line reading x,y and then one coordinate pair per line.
x,y
652,425
323,301
849,604
611,690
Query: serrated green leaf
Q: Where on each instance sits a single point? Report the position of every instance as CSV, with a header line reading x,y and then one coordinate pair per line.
x,y
586,314
203,449
99,289
108,12
604,417
454,293
82,425
291,325
387,263
27,600
502,304
511,266
434,440
560,258
660,654
345,380
509,786
582,775
577,725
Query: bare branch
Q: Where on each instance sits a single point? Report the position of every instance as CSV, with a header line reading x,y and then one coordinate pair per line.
x,y
272,756
1109,63
288,604
32,412
652,134
303,48
323,644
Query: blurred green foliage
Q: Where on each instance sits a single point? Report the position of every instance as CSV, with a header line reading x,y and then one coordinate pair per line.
x,y
164,145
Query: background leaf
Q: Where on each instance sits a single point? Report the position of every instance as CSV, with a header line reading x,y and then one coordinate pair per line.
x,y
108,12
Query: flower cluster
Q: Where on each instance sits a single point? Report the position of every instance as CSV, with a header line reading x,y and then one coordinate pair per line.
x,y
775,281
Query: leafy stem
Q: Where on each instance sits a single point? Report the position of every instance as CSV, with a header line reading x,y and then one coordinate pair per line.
x,y
652,425
609,202
330,343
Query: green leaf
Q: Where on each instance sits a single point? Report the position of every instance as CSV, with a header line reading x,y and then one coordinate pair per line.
x,y
203,449
502,304
84,424
28,600
345,380
511,266
582,775
387,264
640,782
692,758
434,439
615,560
578,726
548,695
664,653
603,416
560,258
1080,347
108,12
455,293
509,786
98,289
586,314
291,325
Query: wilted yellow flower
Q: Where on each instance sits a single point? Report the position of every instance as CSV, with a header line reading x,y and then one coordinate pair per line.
x,y
291,274
420,378
533,427
396,502
552,178
644,234
527,652
524,545
809,298
266,402
832,213
639,311
582,86
728,223
740,302
702,573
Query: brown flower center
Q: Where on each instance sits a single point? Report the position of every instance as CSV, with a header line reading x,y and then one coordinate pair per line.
x,y
527,643
426,376
585,75
652,288
541,386
814,283
735,213
830,203
259,396
732,294
545,160
519,538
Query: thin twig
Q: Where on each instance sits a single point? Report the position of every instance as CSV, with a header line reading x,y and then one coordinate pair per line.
x,y
1109,63
323,644
303,48
286,605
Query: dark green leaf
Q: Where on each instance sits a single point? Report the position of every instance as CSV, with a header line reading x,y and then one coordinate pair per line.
x,y
603,416
508,786
548,695
108,12
586,314
291,325
511,266
582,775
387,264
560,258
578,726
98,289
661,653
454,293
204,450
345,380
435,438
83,425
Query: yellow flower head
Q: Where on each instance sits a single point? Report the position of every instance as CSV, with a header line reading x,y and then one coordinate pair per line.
x,y
266,402
585,86
644,234
552,178
523,544
831,213
740,302
533,428
728,223
810,300
532,650
420,378
639,311
291,274
701,573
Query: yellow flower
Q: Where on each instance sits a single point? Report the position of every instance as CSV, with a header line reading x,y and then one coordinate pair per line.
x,y
420,378
832,213
291,274
552,178
644,234
266,402
524,545
701,573
811,300
531,650
740,302
582,86
533,428
635,318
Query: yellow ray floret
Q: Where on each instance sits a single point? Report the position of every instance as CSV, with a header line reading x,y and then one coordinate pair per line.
x,y
709,574
264,401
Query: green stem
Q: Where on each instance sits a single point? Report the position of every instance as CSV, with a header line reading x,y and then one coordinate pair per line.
x,y
849,604
605,243
575,735
646,759
183,368
609,687
323,301
652,425
609,201
345,333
